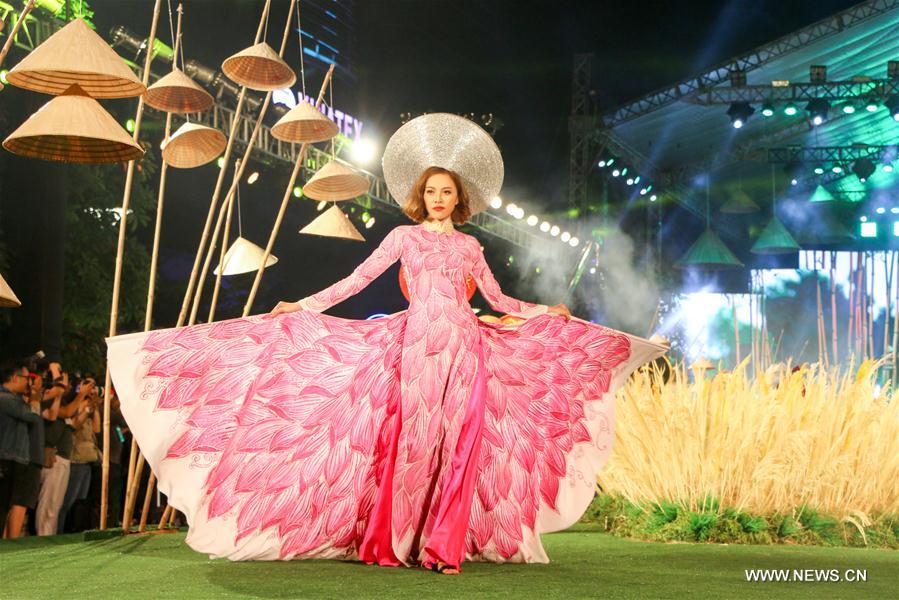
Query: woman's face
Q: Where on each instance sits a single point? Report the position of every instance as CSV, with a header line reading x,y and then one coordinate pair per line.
x,y
440,196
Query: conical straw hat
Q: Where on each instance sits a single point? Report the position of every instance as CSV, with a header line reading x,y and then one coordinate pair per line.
x,y
304,124
178,93
333,223
193,145
73,128
8,297
335,181
76,55
259,68
244,257
740,204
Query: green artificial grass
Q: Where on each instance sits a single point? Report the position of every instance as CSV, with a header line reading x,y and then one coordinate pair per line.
x,y
669,521
586,563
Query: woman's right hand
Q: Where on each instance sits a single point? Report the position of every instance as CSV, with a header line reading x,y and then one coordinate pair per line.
x,y
286,307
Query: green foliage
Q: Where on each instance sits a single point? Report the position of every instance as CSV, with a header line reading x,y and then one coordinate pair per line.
x,y
92,231
670,521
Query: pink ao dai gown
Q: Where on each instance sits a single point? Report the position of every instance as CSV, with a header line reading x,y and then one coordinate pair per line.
x,y
426,435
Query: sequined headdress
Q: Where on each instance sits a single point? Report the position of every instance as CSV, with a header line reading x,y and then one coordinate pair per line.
x,y
448,141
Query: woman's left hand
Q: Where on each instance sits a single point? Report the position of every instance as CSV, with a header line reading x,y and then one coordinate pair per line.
x,y
560,309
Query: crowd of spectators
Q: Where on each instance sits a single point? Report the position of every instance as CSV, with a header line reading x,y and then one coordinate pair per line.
x,y
50,450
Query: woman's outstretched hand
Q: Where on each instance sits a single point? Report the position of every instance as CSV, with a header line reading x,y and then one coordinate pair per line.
x,y
560,309
286,307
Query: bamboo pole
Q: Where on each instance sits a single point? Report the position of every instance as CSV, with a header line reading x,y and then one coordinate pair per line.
x,y
243,163
284,201
185,303
117,280
733,304
224,249
11,36
895,325
132,483
145,511
888,273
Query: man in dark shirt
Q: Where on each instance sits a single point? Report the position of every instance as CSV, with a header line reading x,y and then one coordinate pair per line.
x,y
17,420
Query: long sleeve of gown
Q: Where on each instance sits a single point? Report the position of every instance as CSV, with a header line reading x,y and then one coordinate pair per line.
x,y
387,253
494,295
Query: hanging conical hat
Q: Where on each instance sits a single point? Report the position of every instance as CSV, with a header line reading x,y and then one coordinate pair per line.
x,y
259,68
304,124
775,239
8,297
178,93
193,145
740,204
76,55
708,252
333,223
335,181
244,257
73,128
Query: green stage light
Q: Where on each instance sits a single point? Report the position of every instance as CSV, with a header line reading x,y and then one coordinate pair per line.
x,y
297,191
868,229
129,125
791,109
3,76
220,162
767,109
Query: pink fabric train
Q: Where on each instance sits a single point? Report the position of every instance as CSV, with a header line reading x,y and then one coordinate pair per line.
x,y
426,435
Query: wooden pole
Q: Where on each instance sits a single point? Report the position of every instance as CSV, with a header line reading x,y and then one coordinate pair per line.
x,y
11,36
185,303
895,324
833,307
133,484
284,201
145,511
225,207
117,280
224,249
243,163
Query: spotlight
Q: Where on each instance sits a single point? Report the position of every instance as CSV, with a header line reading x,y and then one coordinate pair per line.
x,y
637,179
819,170
653,198
643,191
544,226
606,162
739,113
887,167
253,178
863,168
848,108
129,125
573,242
297,191
767,109
532,220
370,223
791,109
616,172
837,169
817,110
880,210
220,162
894,210
554,231
363,151
863,218
3,76
871,104
511,209
496,203
321,205
565,236
868,229
892,104
794,181
630,181
593,270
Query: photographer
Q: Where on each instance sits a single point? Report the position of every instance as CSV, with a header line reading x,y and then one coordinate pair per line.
x,y
18,479
57,451
85,421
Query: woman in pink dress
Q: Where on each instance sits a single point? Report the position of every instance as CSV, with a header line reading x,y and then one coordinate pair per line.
x,y
426,437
